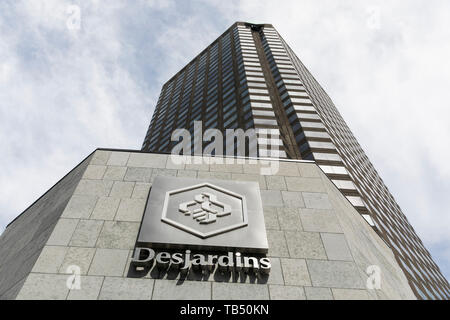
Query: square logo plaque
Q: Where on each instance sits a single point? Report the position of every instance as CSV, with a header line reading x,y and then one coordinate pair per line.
x,y
203,214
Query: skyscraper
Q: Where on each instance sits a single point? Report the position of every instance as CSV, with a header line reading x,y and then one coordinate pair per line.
x,y
250,78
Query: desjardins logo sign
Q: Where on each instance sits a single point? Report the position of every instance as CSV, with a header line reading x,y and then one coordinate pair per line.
x,y
183,262
201,225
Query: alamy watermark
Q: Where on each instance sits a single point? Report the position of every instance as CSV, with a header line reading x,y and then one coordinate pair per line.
x,y
73,21
373,18
238,146
73,281
374,277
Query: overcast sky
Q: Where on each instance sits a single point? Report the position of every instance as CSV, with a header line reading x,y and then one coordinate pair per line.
x,y
65,91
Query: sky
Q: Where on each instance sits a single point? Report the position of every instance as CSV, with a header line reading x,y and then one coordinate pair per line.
x,y
77,75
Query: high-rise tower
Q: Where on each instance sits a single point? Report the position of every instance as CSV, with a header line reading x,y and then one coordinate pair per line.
x,y
250,78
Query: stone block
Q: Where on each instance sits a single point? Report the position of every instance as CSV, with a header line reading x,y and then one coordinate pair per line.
x,y
115,173
320,221
197,163
277,244
105,208
305,245
122,189
350,294
254,167
336,247
214,175
131,210
293,199
315,200
289,219
50,259
309,170
275,183
141,190
335,274
147,160
118,159
239,291
76,256
86,233
278,292
288,169
187,174
313,293
250,177
164,173
98,188
138,174
94,172
271,198
40,286
118,235
181,290
62,233
89,289
126,289
109,262
177,162
305,184
276,273
295,272
100,157
80,207
271,218
232,168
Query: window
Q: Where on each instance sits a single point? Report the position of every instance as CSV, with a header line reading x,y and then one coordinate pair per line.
x,y
229,112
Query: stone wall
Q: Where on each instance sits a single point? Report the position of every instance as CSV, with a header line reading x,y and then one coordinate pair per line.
x,y
22,241
319,246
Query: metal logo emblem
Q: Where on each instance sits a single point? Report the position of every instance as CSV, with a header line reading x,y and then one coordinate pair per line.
x,y
205,209
205,213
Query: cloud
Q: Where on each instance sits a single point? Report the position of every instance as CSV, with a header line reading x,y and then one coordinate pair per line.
x,y
385,65
65,92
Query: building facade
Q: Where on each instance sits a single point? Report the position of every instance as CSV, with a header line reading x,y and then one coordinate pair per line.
x,y
78,240
128,224
249,78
